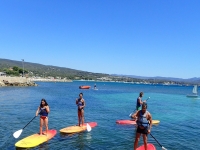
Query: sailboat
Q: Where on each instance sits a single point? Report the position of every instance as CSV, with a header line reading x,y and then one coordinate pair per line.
x,y
194,91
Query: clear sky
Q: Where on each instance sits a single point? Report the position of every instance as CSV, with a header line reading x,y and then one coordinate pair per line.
x,y
131,37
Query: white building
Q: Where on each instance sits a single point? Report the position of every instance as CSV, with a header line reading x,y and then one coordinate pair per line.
x,y
2,74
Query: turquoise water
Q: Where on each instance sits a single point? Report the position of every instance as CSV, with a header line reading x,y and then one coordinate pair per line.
x,y
179,116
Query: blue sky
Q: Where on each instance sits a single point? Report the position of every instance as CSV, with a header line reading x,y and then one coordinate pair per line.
x,y
131,37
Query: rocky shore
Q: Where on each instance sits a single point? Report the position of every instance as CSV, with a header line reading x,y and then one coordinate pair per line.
x,y
16,81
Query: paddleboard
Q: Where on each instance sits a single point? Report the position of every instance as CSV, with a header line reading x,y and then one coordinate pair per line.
x,y
35,139
155,121
126,122
75,128
134,122
149,147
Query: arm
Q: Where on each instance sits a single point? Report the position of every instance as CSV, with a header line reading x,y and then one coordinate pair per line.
x,y
47,108
38,110
83,103
134,116
76,101
139,100
150,122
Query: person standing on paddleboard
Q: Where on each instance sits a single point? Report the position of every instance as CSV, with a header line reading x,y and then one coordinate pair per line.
x,y
80,102
43,110
139,101
95,86
144,124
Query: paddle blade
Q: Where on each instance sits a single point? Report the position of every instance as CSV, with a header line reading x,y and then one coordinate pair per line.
x,y
88,128
163,148
17,133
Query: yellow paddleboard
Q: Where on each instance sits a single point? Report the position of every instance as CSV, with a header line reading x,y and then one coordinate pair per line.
x,y
75,129
35,139
155,121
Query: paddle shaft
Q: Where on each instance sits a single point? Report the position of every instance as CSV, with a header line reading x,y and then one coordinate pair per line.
x,y
29,122
156,140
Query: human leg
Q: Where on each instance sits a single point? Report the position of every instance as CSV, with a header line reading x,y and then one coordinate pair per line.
x,y
46,124
137,138
145,141
82,117
79,117
41,125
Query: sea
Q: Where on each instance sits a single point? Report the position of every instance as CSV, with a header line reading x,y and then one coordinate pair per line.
x,y
179,115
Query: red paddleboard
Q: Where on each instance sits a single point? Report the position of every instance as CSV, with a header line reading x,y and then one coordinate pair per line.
x,y
149,147
126,122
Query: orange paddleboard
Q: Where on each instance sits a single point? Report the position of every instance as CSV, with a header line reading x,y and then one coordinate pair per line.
x,y
75,129
35,139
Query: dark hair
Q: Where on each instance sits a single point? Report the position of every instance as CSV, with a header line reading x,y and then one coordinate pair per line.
x,y
144,105
46,104
141,93
81,94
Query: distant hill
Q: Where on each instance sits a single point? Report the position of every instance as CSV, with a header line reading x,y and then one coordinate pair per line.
x,y
36,69
195,80
48,70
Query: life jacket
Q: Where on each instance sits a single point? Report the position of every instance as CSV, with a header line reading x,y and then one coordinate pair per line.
x,y
142,120
43,112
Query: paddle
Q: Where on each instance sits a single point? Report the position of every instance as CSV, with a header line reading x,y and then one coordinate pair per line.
x,y
135,109
18,133
158,142
88,128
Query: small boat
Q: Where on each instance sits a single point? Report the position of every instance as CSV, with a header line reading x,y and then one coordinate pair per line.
x,y
84,87
194,91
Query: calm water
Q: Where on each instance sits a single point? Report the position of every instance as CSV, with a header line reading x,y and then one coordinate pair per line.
x,y
179,116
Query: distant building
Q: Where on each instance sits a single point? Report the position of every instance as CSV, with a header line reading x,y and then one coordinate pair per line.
x,y
2,74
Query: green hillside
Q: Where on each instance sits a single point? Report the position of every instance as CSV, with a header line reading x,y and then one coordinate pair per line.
x,y
35,69
39,70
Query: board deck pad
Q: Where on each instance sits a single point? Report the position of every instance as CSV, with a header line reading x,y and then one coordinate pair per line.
x,y
149,147
35,139
75,128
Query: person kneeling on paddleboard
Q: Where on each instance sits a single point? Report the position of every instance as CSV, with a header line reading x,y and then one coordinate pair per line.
x,y
80,102
43,110
144,124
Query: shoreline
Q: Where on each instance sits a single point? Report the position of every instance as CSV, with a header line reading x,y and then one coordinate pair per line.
x,y
16,81
50,80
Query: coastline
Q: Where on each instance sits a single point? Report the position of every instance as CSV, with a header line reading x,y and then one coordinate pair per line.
x,y
16,81
50,80
24,81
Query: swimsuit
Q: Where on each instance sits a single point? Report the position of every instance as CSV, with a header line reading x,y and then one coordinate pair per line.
x,y
43,113
80,103
43,117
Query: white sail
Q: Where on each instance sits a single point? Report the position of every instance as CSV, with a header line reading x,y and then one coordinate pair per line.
x,y
194,89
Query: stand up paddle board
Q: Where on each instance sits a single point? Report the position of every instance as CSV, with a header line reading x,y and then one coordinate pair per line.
x,y
75,129
149,147
134,122
35,139
126,122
